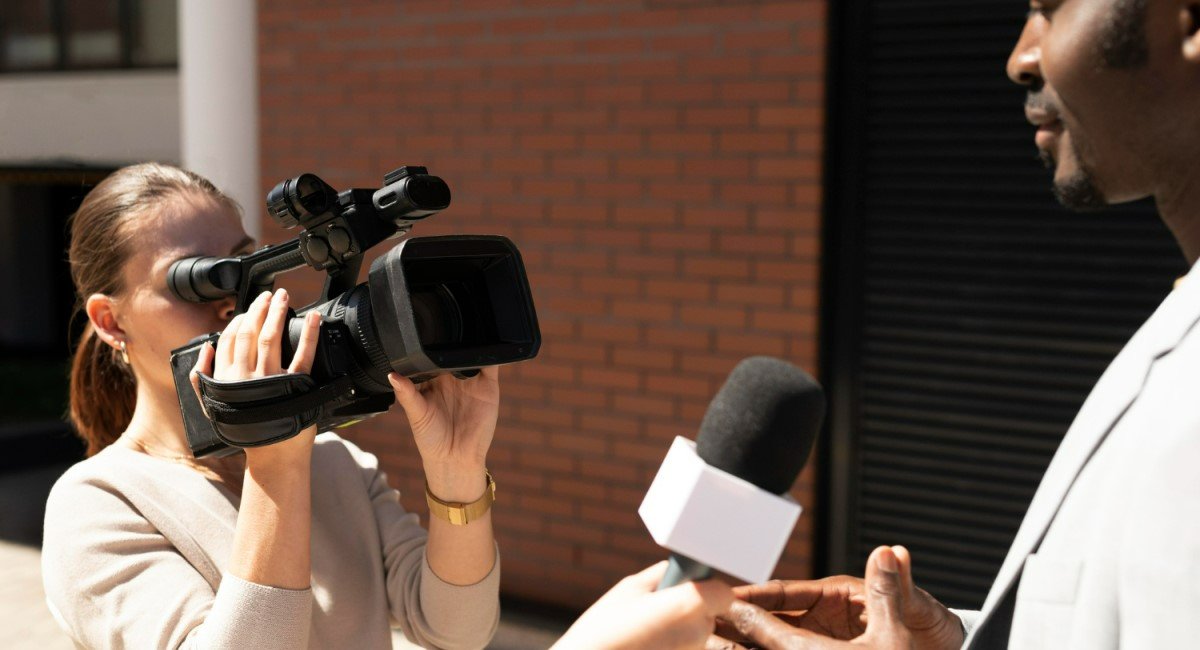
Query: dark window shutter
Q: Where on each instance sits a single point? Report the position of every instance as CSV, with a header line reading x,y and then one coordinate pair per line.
x,y
967,314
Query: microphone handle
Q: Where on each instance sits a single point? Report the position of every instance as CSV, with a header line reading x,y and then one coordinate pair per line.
x,y
682,569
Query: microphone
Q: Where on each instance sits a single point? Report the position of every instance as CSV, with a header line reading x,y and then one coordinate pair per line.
x,y
717,503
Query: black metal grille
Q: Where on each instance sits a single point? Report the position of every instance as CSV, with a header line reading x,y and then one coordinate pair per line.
x,y
969,315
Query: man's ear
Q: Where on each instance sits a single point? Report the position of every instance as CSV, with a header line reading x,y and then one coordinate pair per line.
x,y
1189,21
101,312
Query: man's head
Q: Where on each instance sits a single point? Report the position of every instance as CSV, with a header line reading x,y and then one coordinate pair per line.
x,y
1114,87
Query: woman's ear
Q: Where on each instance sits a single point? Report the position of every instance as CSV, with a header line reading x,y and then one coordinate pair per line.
x,y
101,312
1189,21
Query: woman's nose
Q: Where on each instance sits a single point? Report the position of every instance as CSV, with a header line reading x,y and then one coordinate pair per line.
x,y
227,308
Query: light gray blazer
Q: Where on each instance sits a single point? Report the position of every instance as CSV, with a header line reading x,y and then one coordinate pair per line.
x,y
1108,555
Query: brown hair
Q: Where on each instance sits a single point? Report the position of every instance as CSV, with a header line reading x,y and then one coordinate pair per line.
x,y
103,387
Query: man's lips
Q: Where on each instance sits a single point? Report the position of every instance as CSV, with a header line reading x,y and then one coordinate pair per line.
x,y
1048,123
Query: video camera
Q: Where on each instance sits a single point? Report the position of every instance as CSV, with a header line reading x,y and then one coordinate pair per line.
x,y
430,305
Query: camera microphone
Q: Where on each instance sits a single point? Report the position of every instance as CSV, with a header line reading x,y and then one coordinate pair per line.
x,y
716,503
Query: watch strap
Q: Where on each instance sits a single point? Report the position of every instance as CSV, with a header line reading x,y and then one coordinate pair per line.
x,y
461,514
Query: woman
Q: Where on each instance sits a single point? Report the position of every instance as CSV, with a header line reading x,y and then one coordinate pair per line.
x,y
297,544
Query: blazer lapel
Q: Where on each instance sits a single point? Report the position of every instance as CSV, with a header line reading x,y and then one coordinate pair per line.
x,y
1113,395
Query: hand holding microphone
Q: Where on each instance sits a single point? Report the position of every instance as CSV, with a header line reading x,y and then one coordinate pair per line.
x,y
717,504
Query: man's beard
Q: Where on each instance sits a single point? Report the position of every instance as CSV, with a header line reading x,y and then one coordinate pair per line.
x,y
1079,192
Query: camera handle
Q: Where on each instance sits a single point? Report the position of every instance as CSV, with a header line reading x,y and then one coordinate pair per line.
x,y
266,410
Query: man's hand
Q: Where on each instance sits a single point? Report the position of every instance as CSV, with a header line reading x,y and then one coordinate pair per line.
x,y
842,611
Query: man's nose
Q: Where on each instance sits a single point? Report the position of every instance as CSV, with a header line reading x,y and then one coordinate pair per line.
x,y
1025,62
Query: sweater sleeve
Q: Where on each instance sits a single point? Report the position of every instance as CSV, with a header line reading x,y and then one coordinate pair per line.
x,y
114,581
431,612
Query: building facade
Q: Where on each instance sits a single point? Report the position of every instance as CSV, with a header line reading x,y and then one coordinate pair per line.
x,y
848,186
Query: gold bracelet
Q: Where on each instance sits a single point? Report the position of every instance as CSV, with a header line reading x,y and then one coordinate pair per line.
x,y
461,514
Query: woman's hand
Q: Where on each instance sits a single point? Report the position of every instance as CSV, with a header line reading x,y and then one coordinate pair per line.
x,y
252,346
632,615
453,421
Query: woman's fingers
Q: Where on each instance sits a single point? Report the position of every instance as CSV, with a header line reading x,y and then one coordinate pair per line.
x,y
245,342
225,345
412,400
204,361
270,346
306,349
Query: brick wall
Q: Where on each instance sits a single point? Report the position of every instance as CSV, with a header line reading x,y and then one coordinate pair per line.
x,y
658,164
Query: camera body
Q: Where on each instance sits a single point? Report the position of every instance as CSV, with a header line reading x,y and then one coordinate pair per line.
x,y
430,305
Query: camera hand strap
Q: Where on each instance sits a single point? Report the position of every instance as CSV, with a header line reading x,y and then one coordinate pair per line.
x,y
266,410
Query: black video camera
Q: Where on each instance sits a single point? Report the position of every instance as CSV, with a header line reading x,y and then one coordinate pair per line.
x,y
431,305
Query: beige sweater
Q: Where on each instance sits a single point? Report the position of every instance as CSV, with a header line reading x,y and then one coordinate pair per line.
x,y
135,549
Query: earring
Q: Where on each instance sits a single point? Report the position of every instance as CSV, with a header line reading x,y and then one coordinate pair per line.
x,y
124,352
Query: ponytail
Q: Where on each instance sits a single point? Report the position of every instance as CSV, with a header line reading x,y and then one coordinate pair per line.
x,y
103,392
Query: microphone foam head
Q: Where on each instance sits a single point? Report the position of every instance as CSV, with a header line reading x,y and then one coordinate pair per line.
x,y
762,424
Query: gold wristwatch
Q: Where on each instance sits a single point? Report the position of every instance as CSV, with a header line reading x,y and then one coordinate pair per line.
x,y
461,514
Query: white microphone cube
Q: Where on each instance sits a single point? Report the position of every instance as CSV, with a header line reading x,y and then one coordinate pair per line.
x,y
716,518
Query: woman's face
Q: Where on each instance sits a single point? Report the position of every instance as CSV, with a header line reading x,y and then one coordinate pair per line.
x,y
154,320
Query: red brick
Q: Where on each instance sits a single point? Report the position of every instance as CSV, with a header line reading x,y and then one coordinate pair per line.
x,y
613,45
596,284
759,39
612,190
680,240
611,424
682,142
609,332
575,397
685,92
682,191
584,23
683,290
614,471
645,263
519,26
571,351
754,141
761,193
546,47
787,321
691,338
717,268
751,344
621,142
610,378
724,118
655,358
684,43
790,65
723,317
789,116
617,93
750,294
674,384
643,310
752,244
649,68
662,117
648,167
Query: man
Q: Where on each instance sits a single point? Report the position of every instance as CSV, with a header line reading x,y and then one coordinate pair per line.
x,y
1109,552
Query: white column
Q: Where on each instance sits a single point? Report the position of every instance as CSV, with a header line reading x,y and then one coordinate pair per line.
x,y
218,81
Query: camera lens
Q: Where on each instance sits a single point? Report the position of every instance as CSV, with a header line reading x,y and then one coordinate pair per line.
x,y
437,314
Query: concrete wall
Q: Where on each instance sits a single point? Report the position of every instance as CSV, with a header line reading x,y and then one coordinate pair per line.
x,y
659,165
100,118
